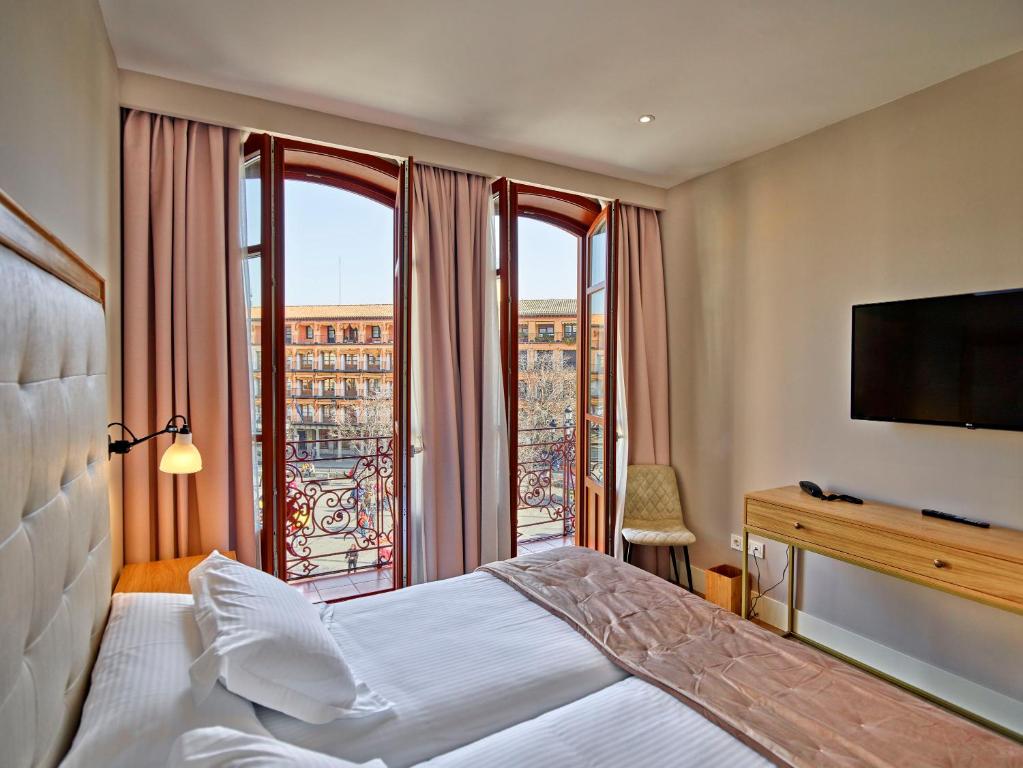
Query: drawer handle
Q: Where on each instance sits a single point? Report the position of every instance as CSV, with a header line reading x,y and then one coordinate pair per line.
x,y
939,563
797,525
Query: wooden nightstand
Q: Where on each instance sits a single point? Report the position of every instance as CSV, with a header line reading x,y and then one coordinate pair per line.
x,y
161,575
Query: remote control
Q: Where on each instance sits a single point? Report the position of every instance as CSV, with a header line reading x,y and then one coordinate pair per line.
x,y
954,518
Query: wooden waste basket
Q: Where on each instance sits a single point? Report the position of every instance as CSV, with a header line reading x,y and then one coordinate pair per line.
x,y
724,587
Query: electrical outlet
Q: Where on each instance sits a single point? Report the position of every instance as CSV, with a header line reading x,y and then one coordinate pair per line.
x,y
756,548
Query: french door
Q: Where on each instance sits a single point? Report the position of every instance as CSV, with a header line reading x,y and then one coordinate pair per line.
x,y
331,394
597,396
556,476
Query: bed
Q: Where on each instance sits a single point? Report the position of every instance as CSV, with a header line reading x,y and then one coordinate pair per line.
x,y
566,656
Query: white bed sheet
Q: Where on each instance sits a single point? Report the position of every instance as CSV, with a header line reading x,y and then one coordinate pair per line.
x,y
140,698
631,723
460,659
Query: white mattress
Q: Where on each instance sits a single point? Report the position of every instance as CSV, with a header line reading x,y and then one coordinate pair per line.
x,y
631,723
460,659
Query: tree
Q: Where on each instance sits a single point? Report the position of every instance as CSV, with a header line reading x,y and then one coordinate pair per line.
x,y
370,416
547,393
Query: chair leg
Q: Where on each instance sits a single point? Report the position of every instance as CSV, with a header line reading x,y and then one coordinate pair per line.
x,y
689,568
628,551
674,565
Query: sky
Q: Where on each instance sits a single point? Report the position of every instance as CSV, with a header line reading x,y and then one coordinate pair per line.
x,y
339,249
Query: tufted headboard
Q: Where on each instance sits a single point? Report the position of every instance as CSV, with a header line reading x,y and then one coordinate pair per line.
x,y
54,524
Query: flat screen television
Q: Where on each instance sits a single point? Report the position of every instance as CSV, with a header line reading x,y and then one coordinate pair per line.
x,y
953,360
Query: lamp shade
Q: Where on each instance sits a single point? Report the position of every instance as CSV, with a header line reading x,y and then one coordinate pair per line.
x,y
181,458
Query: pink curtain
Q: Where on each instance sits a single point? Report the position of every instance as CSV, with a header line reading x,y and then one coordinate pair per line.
x,y
450,259
644,351
185,339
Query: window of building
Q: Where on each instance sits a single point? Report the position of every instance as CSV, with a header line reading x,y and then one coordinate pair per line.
x,y
375,332
568,332
351,362
545,332
568,358
287,334
523,332
309,332
331,334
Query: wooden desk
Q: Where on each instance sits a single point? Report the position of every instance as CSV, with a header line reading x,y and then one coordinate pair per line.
x,y
160,575
982,564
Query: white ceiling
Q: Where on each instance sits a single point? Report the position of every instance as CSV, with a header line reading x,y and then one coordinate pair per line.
x,y
565,80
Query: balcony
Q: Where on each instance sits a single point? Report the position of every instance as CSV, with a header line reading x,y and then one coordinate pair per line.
x,y
546,484
340,512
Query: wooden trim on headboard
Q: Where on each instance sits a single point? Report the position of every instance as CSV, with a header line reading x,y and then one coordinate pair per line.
x,y
32,241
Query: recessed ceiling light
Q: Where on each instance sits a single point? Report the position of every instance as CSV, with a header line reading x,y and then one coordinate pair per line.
x,y
647,118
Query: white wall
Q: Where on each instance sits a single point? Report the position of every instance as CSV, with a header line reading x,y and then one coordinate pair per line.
x,y
60,149
173,97
764,259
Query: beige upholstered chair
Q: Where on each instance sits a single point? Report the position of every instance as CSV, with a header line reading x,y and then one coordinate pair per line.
x,y
653,514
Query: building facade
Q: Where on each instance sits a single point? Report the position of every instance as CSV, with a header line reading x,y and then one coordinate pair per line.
x,y
339,367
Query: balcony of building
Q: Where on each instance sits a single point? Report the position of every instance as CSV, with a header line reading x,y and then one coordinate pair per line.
x,y
339,533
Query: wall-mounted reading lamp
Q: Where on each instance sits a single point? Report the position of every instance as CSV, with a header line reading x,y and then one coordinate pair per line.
x,y
181,458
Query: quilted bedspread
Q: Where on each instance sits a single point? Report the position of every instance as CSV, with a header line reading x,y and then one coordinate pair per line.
x,y
791,702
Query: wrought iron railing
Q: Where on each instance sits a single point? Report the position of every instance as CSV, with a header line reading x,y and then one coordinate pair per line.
x,y
546,482
340,506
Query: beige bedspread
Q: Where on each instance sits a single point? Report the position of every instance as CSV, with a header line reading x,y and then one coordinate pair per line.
x,y
793,703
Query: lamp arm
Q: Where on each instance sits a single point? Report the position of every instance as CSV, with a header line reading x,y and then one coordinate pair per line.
x,y
123,446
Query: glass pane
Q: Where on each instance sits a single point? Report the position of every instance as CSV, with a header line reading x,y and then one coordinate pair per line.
x,y
598,256
598,351
253,299
495,223
253,202
595,451
548,265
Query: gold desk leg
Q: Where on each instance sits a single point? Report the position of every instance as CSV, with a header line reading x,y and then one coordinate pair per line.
x,y
791,623
745,573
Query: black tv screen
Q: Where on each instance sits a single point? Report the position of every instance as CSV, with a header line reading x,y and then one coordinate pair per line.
x,y
955,360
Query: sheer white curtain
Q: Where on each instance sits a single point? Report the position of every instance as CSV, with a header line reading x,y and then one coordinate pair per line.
x,y
495,528
621,445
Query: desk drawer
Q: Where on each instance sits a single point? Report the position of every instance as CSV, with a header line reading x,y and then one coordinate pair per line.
x,y
946,567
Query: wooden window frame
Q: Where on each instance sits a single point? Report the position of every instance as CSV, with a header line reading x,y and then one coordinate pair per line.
x,y
572,213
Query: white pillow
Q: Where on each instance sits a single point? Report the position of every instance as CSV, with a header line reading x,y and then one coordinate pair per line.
x,y
227,748
140,698
264,641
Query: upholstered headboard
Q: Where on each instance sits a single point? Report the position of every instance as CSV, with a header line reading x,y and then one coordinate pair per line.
x,y
54,524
